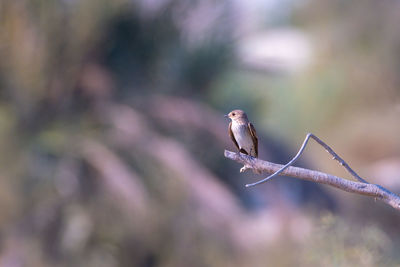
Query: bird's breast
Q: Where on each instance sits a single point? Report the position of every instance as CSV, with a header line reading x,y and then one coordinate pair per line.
x,y
242,135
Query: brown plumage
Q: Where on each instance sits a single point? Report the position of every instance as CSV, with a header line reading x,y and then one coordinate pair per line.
x,y
243,133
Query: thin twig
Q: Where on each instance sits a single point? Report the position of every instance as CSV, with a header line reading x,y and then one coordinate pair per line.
x,y
303,146
361,188
337,157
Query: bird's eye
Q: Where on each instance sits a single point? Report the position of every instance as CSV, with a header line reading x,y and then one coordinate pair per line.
x,y
233,114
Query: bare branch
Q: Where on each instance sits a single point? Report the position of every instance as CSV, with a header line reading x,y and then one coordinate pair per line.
x,y
361,188
303,146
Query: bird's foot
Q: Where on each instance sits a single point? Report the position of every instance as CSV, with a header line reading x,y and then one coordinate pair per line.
x,y
244,168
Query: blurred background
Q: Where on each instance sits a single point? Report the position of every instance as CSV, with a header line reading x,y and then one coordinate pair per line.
x,y
112,134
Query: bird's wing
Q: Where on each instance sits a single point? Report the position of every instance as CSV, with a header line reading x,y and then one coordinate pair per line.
x,y
253,134
232,136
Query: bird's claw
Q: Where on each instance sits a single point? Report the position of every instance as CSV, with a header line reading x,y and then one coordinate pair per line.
x,y
244,168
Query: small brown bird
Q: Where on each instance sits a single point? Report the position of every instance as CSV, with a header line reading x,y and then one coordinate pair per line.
x,y
243,133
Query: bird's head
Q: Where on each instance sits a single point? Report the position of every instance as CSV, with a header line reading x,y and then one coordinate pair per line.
x,y
236,114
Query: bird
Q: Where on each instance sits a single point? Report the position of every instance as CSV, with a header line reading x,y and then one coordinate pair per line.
x,y
243,133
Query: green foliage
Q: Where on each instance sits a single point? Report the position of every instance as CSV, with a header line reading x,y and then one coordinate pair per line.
x,y
335,242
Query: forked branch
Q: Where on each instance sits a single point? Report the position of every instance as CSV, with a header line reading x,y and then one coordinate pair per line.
x,y
303,146
362,187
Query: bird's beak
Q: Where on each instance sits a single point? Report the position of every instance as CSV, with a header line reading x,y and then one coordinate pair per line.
x,y
226,115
